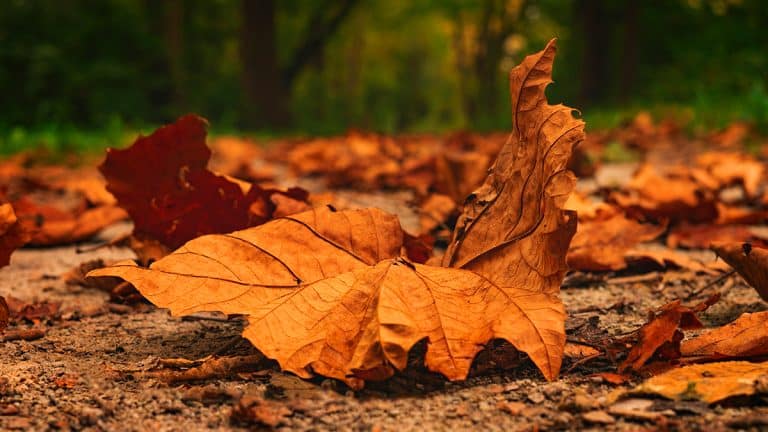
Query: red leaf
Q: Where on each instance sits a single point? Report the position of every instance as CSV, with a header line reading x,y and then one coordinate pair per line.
x,y
163,182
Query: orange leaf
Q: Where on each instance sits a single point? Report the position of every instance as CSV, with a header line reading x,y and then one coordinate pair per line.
x,y
13,234
745,337
326,291
710,383
601,244
750,262
663,333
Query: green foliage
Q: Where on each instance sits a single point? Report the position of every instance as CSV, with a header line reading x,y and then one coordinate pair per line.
x,y
392,66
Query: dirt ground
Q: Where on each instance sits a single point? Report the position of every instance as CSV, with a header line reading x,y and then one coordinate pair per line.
x,y
95,368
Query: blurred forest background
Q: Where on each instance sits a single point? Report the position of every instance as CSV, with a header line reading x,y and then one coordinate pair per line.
x,y
320,66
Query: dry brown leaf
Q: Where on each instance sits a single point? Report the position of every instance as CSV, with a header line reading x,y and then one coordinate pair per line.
x,y
747,336
733,168
86,181
710,382
664,258
13,233
325,292
54,226
663,333
750,262
256,410
5,314
321,269
702,236
586,208
459,173
600,244
675,194
435,211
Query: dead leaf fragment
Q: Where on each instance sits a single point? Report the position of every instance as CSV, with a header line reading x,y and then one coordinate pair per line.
x,y
747,336
749,261
252,409
664,333
710,382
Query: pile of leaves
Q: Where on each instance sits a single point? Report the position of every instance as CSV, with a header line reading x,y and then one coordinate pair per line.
x,y
345,292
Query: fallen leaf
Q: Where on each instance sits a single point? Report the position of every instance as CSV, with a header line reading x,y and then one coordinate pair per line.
x,y
459,173
211,368
673,195
513,229
664,258
13,234
612,378
664,332
733,168
732,136
637,409
588,209
53,226
577,351
86,181
37,311
254,409
702,236
326,292
747,336
435,211
710,382
163,183
598,417
600,244
750,262
5,314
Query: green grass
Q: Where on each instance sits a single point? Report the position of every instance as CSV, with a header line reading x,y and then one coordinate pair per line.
x,y
704,114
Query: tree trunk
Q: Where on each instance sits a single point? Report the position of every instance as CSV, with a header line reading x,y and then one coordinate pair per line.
x,y
629,59
174,47
593,19
266,95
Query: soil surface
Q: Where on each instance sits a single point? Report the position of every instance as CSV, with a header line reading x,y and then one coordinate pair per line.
x,y
105,366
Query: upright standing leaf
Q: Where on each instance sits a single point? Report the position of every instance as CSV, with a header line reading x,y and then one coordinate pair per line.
x,y
749,261
513,229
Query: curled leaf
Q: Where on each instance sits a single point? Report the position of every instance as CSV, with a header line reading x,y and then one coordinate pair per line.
x,y
749,261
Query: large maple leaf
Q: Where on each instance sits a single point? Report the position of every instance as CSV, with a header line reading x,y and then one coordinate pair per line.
x,y
327,292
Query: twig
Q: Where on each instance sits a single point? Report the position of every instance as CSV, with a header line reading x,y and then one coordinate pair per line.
x,y
117,241
24,334
713,282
